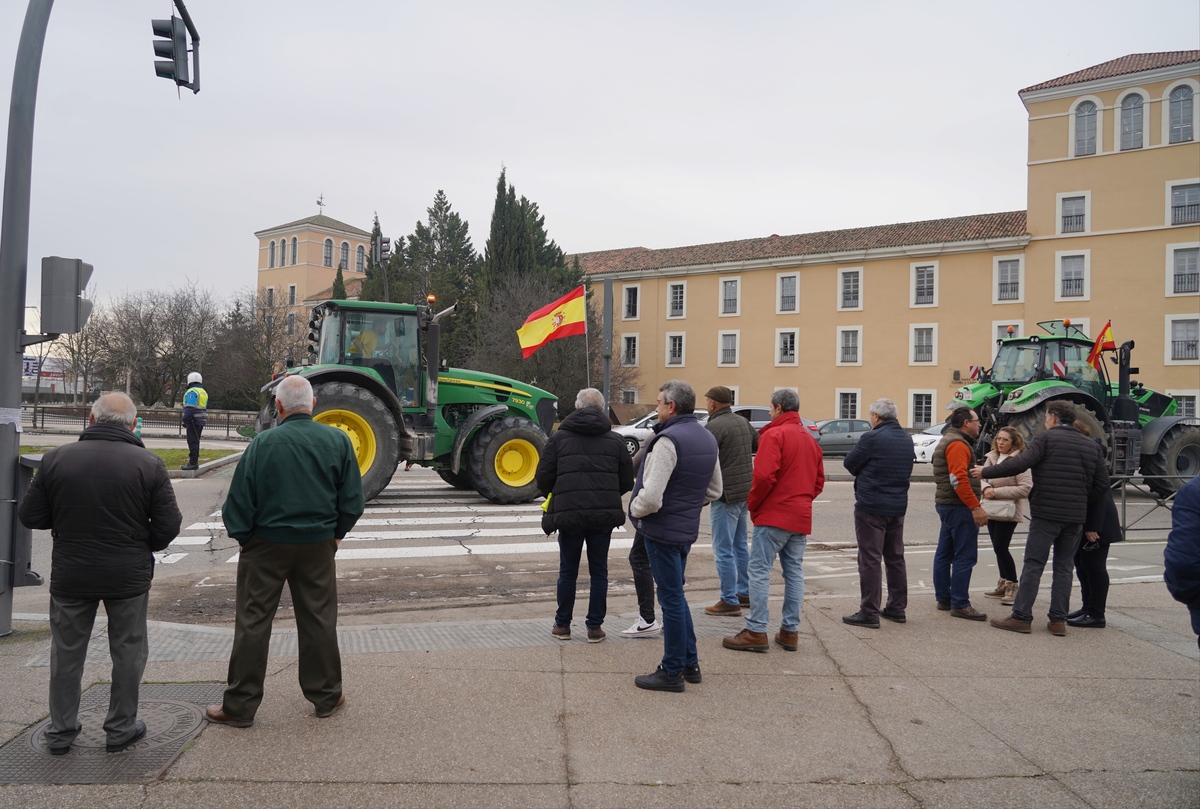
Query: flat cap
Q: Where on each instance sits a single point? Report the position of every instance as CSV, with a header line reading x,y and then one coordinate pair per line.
x,y
720,394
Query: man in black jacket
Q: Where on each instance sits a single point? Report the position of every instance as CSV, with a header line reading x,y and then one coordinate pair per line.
x,y
110,504
583,471
881,463
1067,473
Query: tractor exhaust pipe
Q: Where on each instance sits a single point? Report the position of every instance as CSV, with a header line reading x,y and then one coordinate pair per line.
x,y
433,361
1125,408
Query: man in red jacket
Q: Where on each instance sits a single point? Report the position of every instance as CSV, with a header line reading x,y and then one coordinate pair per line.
x,y
789,473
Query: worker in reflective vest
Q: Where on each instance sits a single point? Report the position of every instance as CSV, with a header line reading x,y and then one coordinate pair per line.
x,y
195,409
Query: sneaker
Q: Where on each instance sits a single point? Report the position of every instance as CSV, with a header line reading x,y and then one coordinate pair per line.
x,y
561,632
970,613
692,673
595,634
640,628
857,619
1012,624
1001,589
660,681
724,610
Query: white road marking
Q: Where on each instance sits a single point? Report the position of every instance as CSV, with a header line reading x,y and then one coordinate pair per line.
x,y
190,540
169,558
1131,567
431,551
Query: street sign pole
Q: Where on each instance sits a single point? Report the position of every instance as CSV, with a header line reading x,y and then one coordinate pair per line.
x,y
14,259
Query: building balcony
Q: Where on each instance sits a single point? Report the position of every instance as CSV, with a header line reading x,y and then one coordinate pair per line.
x,y
1072,223
1072,288
1186,282
1185,214
1008,291
1185,350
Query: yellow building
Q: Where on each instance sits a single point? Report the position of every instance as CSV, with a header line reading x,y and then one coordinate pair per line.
x,y
904,311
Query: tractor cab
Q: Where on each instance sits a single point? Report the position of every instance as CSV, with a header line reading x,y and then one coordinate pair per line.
x,y
1061,354
385,342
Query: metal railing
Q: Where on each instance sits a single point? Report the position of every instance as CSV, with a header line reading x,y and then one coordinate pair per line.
x,y
787,303
1184,350
159,421
922,353
1009,290
728,355
1185,214
1187,282
849,353
850,302
1072,223
1072,287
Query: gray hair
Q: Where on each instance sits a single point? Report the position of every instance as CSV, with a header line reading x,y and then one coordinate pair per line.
x,y
295,394
884,408
681,393
115,408
589,397
786,399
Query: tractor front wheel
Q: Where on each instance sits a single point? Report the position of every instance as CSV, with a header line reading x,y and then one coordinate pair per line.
x,y
503,458
1032,422
368,424
1178,456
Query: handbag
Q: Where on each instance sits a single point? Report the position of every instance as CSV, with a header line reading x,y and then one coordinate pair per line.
x,y
1003,510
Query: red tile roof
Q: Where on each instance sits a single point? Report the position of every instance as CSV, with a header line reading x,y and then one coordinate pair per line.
x,y
1133,63
933,231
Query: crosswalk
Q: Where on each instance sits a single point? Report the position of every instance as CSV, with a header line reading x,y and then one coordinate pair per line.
x,y
416,516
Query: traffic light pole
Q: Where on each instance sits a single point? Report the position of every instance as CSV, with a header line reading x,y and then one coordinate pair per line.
x,y
14,260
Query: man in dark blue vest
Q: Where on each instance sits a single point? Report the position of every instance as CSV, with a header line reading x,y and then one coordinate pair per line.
x,y
679,476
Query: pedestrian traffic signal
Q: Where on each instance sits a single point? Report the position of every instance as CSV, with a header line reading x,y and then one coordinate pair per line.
x,y
64,309
173,46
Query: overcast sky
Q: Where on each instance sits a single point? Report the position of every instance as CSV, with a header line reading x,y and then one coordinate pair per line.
x,y
657,124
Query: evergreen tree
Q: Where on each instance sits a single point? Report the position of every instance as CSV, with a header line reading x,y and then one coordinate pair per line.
x,y
382,282
339,285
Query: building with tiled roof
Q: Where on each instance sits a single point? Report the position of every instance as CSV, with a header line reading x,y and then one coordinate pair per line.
x,y
903,311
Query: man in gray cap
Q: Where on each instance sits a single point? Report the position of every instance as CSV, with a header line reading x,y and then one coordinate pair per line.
x,y
736,444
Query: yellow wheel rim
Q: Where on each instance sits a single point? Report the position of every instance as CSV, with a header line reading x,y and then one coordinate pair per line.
x,y
516,462
362,437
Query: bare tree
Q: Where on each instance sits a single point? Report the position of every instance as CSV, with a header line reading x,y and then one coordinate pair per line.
x,y
82,354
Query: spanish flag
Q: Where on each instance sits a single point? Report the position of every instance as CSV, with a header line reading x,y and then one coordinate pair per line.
x,y
1104,342
563,318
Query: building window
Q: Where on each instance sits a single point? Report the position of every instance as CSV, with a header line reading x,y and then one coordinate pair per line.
x,y
629,350
847,404
360,258
345,258
1185,334
675,349
850,289
785,343
788,299
1185,204
1072,280
924,285
677,299
1181,115
922,344
1085,129
291,294
1008,279
849,339
730,296
728,347
328,257
1185,404
291,323
1131,122
1002,330
294,253
271,255
1185,271
630,310
628,395
922,410
270,297
1074,215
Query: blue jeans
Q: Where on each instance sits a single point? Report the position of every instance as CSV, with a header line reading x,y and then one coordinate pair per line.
x,y
957,550
570,547
669,563
729,549
770,542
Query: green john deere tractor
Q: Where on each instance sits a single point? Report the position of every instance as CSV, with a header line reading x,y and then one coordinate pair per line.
x,y
376,376
1139,426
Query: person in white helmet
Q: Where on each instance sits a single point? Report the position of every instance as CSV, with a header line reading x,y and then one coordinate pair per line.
x,y
195,409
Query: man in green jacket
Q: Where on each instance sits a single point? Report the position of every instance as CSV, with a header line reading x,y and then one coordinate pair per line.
x,y
737,442
295,494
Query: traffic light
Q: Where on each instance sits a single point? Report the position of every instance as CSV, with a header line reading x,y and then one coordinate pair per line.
x,y
381,250
64,309
173,46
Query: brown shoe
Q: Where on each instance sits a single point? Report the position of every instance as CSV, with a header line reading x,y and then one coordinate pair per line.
x,y
216,713
1001,589
744,602
970,613
1057,628
1012,624
724,610
787,640
326,714
747,641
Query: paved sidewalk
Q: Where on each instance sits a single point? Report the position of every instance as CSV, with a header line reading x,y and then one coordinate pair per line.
x,y
452,708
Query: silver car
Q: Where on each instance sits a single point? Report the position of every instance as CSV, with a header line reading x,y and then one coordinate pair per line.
x,y
638,431
838,436
926,441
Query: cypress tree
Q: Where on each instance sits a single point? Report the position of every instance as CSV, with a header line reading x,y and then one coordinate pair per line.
x,y
339,285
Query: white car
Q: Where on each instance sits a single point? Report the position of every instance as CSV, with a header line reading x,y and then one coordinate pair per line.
x,y
925,441
638,431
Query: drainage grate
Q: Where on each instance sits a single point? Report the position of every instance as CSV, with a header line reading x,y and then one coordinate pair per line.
x,y
173,713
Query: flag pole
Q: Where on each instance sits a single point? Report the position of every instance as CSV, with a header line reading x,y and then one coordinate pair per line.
x,y
587,354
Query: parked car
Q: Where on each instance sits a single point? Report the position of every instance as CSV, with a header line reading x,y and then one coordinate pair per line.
x,y
925,441
760,417
638,431
838,436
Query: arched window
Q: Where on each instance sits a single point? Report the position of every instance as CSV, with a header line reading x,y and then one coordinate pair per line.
x,y
1181,114
345,258
293,249
271,255
360,256
328,257
1085,129
1131,122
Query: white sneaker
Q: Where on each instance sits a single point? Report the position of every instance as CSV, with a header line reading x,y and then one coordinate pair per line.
x,y
641,628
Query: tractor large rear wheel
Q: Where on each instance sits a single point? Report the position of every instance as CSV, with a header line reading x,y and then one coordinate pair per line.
x,y
1178,454
503,458
460,481
368,423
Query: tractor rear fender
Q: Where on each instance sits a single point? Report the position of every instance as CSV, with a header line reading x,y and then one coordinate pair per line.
x,y
464,432
1045,391
1154,431
346,373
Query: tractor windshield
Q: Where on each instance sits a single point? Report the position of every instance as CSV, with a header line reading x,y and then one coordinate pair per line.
x,y
1016,362
387,344
328,351
1068,361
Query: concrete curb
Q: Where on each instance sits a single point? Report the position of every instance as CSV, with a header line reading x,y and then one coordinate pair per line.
x,y
205,467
